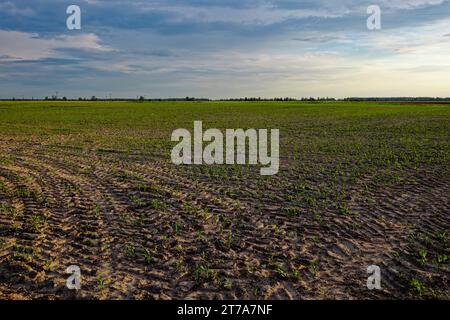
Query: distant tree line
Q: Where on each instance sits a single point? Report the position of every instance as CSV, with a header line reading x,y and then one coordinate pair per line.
x,y
400,99
318,99
278,99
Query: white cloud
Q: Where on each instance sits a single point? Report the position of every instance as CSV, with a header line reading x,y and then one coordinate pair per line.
x,y
10,8
424,40
355,6
346,62
264,14
29,46
410,4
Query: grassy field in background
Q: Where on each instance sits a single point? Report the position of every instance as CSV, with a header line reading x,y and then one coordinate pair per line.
x,y
91,184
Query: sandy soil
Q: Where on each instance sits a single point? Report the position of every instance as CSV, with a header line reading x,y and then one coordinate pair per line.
x,y
142,228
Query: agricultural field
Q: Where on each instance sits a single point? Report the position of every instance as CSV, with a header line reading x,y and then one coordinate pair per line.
x,y
92,184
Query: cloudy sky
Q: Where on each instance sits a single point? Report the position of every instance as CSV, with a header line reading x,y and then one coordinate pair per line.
x,y
224,48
